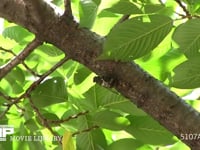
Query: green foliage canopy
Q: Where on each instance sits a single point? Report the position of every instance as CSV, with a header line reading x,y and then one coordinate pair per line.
x,y
156,36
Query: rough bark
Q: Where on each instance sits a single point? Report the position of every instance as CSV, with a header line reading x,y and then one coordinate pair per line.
x,y
85,46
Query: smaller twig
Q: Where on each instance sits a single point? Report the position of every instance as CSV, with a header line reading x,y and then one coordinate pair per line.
x,y
5,111
182,15
30,70
7,50
86,130
23,63
34,84
161,2
4,70
9,105
67,119
122,19
19,107
43,120
68,16
197,16
8,98
188,15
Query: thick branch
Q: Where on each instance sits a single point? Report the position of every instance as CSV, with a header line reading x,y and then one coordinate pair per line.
x,y
84,46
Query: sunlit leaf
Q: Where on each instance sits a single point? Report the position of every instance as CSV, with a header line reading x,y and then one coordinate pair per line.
x,y
84,140
98,96
110,120
99,138
97,1
124,7
31,124
127,107
16,75
17,33
81,74
50,92
150,8
16,78
133,38
93,140
130,144
50,50
149,131
67,141
87,11
187,36
176,146
187,74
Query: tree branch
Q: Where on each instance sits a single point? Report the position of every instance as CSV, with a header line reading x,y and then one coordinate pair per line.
x,y
188,15
68,9
85,46
43,120
23,63
4,70
26,94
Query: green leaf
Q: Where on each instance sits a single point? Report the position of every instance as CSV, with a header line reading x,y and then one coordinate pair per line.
x,y
84,141
150,8
127,107
176,146
50,92
97,97
168,61
99,138
35,145
93,140
187,74
110,120
7,44
4,145
124,7
21,131
149,131
81,74
16,79
17,88
87,11
67,141
187,36
134,38
48,116
31,125
129,143
72,123
50,50
16,75
159,9
17,33
104,22
98,2
57,2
